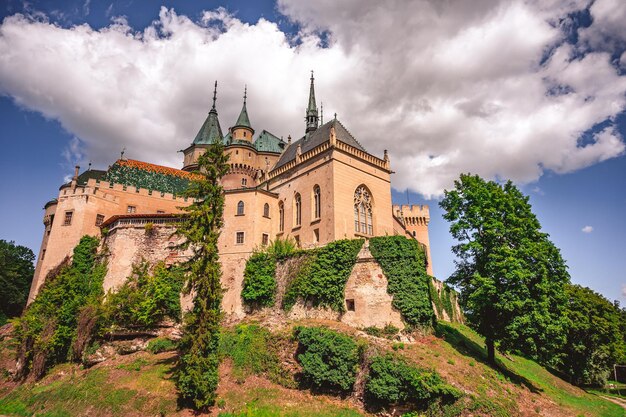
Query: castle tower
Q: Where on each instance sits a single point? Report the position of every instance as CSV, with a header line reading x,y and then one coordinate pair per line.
x,y
242,129
311,111
416,219
209,133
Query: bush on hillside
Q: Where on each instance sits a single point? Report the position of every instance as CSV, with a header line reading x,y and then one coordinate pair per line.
x,y
392,380
329,359
259,280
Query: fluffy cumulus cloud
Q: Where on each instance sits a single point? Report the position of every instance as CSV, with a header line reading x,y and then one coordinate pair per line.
x,y
587,229
489,87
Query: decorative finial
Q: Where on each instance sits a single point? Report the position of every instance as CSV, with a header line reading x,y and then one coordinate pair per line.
x,y
322,113
245,94
122,153
289,140
312,78
214,95
89,169
335,115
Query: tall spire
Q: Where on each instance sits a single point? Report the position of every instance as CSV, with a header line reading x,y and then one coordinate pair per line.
x,y
210,132
243,120
311,111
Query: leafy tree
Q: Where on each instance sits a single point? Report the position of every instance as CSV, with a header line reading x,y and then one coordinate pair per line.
x,y
197,375
594,340
16,274
511,276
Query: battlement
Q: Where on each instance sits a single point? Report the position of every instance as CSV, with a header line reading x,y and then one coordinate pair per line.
x,y
101,188
406,211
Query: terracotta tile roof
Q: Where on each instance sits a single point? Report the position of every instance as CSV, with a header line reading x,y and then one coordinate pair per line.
x,y
159,169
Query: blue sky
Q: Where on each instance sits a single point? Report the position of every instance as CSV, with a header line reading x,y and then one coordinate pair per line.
x,y
521,90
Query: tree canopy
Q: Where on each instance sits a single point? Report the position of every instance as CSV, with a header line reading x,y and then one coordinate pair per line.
x,y
511,276
16,274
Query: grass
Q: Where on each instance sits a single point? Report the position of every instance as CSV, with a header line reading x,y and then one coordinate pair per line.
x,y
522,371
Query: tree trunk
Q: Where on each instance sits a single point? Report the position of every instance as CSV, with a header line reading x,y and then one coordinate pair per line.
x,y
491,351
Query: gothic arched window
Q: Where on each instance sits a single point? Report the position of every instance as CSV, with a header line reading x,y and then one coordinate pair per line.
x,y
317,202
363,211
297,202
266,210
240,208
281,216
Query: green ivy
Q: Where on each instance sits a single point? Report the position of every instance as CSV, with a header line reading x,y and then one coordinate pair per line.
x,y
145,299
329,359
50,324
323,276
444,302
392,380
259,280
126,175
402,261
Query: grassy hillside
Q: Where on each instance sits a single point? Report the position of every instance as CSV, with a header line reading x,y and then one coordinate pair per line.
x,y
257,379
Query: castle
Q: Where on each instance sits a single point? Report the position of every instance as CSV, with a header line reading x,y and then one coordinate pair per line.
x,y
322,187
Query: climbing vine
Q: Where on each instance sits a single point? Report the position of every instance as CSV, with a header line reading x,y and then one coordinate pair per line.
x,y
402,261
259,280
323,276
70,297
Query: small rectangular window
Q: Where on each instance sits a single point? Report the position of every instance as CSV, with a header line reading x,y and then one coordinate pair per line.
x,y
99,219
43,254
316,234
131,209
350,305
240,238
68,218
265,239
297,239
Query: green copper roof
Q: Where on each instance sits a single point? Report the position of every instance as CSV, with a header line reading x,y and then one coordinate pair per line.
x,y
210,132
243,120
267,142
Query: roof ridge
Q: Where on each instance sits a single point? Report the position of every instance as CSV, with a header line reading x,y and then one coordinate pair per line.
x,y
349,133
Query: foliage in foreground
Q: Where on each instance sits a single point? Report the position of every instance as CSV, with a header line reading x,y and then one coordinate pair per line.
x,y
322,279
402,261
146,298
329,359
16,274
197,374
511,276
50,328
254,351
392,380
594,339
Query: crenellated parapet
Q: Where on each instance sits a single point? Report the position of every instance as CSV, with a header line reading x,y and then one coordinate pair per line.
x,y
416,215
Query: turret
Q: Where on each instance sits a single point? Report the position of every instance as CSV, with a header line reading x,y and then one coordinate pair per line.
x,y
242,129
311,111
209,133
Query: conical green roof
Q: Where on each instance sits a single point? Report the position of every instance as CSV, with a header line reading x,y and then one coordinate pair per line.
x,y
211,131
243,120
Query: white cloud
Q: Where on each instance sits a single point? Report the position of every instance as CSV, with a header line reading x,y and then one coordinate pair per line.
x,y
447,87
587,229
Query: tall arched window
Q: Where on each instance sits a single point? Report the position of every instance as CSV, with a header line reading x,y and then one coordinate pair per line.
x,y
240,208
281,216
317,202
266,210
297,202
363,211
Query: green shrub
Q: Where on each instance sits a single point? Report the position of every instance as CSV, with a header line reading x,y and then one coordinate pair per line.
x,y
253,350
280,249
329,359
322,279
388,332
259,280
159,345
145,299
50,324
402,261
393,381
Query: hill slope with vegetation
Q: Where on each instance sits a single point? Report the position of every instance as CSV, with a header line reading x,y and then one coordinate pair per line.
x,y
264,373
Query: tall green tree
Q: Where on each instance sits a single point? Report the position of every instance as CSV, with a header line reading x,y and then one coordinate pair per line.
x,y
197,375
16,274
595,338
511,276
